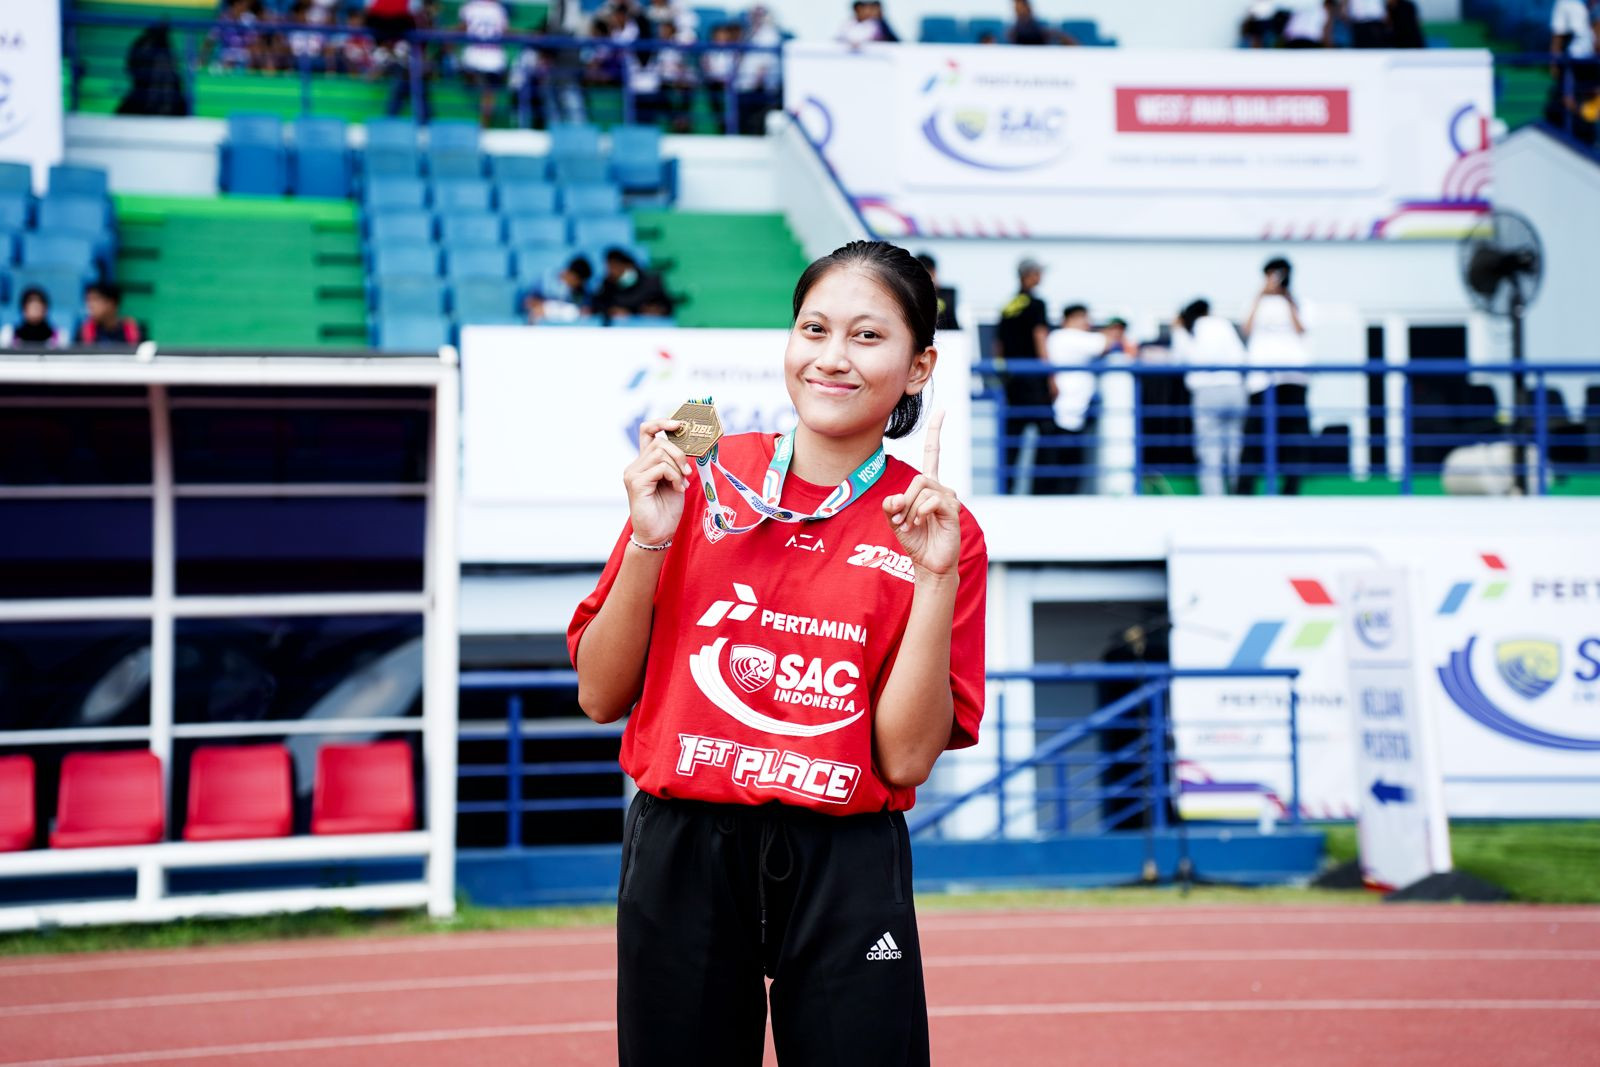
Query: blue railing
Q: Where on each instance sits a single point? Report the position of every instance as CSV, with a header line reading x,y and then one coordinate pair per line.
x,y
1139,428
1129,780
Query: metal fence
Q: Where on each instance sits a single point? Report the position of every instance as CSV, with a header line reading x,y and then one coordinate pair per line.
x,y
1069,766
1425,427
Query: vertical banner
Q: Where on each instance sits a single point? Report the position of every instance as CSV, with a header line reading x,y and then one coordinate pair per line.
x,y
30,85
1401,825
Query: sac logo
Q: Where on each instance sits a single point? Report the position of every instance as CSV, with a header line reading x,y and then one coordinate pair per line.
x,y
1525,669
812,683
751,666
1530,666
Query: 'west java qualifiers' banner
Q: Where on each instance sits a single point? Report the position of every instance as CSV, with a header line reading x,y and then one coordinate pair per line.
x,y
30,85
1507,669
1091,142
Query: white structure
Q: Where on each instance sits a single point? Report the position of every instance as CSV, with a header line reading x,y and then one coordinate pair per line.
x,y
233,380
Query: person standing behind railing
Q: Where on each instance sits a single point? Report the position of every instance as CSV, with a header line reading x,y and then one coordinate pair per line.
x,y
484,65
1022,335
1275,333
1574,102
1217,397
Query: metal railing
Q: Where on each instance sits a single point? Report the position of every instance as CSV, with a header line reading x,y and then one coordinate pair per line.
x,y
1400,424
1097,767
1558,104
552,72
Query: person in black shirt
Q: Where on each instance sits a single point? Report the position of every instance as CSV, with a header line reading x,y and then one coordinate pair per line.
x,y
947,297
1405,25
1021,334
628,290
1027,29
34,331
105,324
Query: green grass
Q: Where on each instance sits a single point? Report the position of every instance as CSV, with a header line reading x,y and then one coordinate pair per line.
x,y
1543,862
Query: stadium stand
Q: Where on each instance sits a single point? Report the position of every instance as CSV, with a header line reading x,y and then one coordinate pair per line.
x,y
734,270
16,803
951,29
57,243
364,789
238,791
108,798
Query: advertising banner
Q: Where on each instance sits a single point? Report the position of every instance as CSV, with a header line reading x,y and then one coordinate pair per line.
x,y
1402,829
1506,668
551,414
30,85
1095,142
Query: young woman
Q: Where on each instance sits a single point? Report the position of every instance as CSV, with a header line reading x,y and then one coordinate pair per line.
x,y
795,659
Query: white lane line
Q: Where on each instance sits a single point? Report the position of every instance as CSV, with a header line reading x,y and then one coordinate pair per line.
x,y
1287,955
1385,916
337,989
1160,1007
201,957
323,1044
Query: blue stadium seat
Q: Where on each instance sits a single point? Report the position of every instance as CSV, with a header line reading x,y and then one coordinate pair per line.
x,y
465,230
602,230
636,158
13,212
528,198
1085,31
487,301
510,169
536,262
391,133
710,18
63,250
253,156
477,261
401,227
78,181
88,216
462,197
572,140
412,333
976,28
18,178
387,193
594,199
454,166
321,164
418,293
453,136
392,162
941,29
391,259
579,170
537,230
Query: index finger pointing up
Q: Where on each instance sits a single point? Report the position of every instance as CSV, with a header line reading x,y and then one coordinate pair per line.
x,y
930,446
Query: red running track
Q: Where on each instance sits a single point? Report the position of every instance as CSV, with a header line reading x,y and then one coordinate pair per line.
x,y
1418,985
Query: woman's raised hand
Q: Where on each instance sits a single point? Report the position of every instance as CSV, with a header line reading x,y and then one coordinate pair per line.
x,y
656,482
927,517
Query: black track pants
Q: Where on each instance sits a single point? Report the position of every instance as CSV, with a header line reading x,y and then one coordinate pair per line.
x,y
715,898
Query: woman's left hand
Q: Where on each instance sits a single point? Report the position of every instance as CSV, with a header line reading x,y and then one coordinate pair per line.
x,y
926,517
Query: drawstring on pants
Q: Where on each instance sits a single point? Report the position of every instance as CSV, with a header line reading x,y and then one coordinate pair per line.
x,y
771,830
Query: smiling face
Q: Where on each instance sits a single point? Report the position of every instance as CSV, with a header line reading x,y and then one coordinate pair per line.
x,y
851,357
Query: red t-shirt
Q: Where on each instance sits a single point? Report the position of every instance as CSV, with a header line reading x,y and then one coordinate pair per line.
x,y
768,649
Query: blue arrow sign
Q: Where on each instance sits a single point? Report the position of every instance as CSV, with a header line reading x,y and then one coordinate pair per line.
x,y
1387,793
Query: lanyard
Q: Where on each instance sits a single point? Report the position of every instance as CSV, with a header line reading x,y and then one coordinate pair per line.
x,y
765,503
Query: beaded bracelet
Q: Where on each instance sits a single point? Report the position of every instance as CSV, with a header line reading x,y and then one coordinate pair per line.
x,y
662,547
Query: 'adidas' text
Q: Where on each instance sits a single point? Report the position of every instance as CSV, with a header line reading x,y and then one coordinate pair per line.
x,y
884,949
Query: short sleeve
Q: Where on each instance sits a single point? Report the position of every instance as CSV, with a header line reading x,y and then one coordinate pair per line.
x,y
967,648
1036,315
591,603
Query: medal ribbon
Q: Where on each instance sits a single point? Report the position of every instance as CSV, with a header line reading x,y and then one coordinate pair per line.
x,y
765,503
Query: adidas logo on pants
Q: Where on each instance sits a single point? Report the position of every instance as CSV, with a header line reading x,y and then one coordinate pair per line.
x,y
885,949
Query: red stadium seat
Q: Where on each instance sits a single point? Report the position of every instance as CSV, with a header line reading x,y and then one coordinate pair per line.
x,y
16,803
109,798
364,789
238,792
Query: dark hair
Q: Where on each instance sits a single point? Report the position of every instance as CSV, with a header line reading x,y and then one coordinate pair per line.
x,y
618,255
1071,310
907,283
928,262
1193,313
110,290
33,292
579,265
1280,264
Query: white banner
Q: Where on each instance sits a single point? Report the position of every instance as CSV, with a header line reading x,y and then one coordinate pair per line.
x,y
1507,668
1149,143
551,414
1403,833
30,85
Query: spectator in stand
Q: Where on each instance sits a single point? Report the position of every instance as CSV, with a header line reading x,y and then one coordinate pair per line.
x,y
154,85
1022,335
1263,24
629,290
1369,23
947,297
1405,25
620,25
863,27
355,49
675,69
304,51
389,20
1310,25
668,18
1275,335
485,65
885,31
757,80
105,324
1075,344
237,45
34,331
720,67
1574,104
1218,397
1027,29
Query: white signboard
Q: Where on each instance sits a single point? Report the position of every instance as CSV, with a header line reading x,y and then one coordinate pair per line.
x,y
30,85
551,414
1507,667
1402,829
1149,143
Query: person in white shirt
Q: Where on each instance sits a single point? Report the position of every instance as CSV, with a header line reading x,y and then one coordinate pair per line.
x,y
1574,102
1310,26
1218,399
1369,23
862,28
485,64
1572,30
1275,336
1074,344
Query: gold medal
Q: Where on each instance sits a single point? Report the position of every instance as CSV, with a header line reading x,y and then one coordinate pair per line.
x,y
700,430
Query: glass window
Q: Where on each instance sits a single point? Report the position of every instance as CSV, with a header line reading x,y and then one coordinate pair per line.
x,y
297,445
60,548
64,675
49,441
